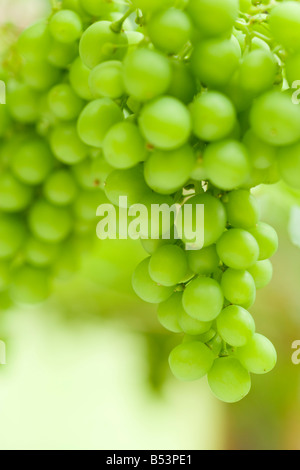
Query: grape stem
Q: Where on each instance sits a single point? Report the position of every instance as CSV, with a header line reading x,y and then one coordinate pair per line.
x,y
117,26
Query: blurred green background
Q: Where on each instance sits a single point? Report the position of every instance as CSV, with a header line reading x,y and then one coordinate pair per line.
x,y
88,369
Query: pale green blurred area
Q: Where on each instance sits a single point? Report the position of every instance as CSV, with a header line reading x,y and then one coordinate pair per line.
x,y
88,370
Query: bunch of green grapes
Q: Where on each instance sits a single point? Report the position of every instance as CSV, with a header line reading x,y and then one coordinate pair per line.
x,y
161,101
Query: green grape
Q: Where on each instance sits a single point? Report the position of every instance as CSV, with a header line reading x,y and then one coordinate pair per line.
x,y
106,80
238,249
204,261
189,325
289,165
66,264
35,41
236,326
292,67
147,74
75,5
92,172
191,361
5,276
215,61
176,27
228,380
257,71
285,24
49,223
79,79
110,45
39,253
146,288
227,164
60,188
168,313
214,17
166,123
86,204
14,195
267,240
213,115
62,55
124,147
168,265
242,209
40,75
154,227
262,273
126,183
203,299
241,99
245,5
30,285
262,155
32,161
65,26
152,5
239,287
258,356
12,235
168,172
203,338
64,103
97,7
134,37
66,145
23,103
214,219
96,119
275,119
183,84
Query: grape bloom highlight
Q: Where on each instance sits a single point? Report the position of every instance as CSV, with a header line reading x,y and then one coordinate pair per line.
x,y
117,108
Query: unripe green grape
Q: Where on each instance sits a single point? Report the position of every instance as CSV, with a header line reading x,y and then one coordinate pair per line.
x,y
292,67
79,79
239,287
289,165
126,183
5,276
146,288
97,7
183,84
30,285
14,195
32,161
245,5
202,338
92,172
147,74
35,41
215,61
257,71
227,164
285,24
96,119
262,155
204,261
228,380
213,116
214,17
236,326
40,75
176,27
262,273
65,26
110,45
241,99
238,249
151,245
22,102
242,209
64,103
60,188
168,313
75,5
124,146
203,299
62,55
156,228
87,203
189,325
275,119
267,240
191,361
167,172
165,123
66,145
214,218
106,80
49,223
39,253
12,235
258,356
168,265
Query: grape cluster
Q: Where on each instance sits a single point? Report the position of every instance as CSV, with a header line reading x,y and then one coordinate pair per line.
x,y
160,101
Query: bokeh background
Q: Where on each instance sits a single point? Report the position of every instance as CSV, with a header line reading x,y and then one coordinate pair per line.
x,y
88,369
